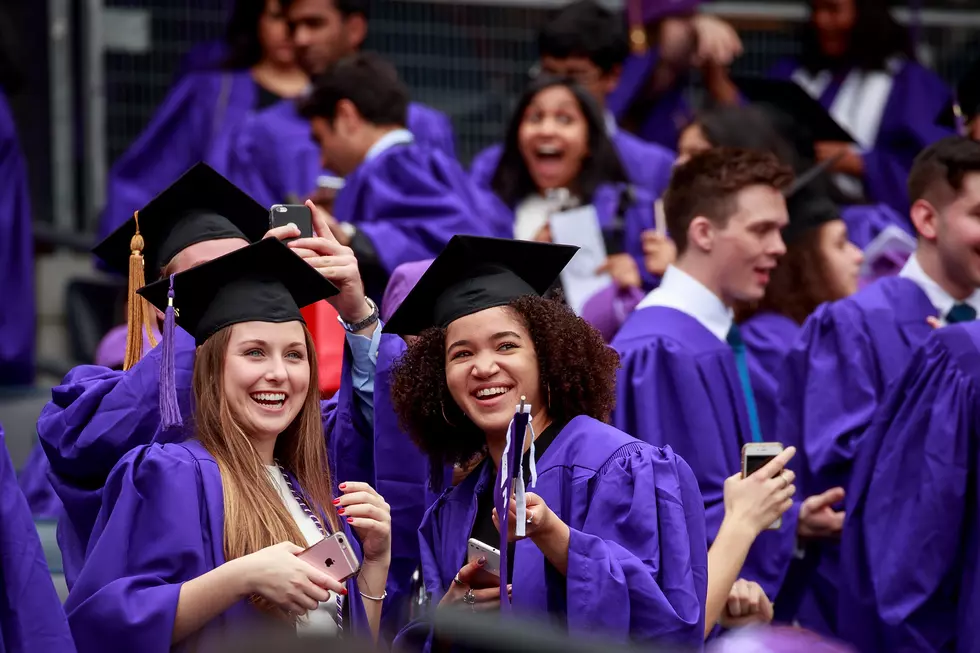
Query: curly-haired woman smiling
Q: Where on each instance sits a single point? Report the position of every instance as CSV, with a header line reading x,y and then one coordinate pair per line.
x,y
608,512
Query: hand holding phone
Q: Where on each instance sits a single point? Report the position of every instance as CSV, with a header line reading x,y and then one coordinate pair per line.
x,y
764,489
297,214
489,574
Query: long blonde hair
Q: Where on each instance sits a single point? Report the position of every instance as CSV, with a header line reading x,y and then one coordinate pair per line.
x,y
255,516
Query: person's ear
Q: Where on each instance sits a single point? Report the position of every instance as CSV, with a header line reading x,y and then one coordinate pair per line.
x,y
925,218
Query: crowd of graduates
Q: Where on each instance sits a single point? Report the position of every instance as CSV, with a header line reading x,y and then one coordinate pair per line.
x,y
528,385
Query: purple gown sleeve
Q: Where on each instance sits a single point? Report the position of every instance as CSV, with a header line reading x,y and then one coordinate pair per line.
x,y
638,566
31,616
36,486
148,540
910,546
93,419
176,138
16,259
484,165
432,128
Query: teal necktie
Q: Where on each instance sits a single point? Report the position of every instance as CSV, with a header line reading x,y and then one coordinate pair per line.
x,y
738,347
961,313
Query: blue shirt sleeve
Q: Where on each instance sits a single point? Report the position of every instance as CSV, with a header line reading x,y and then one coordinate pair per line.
x,y
364,351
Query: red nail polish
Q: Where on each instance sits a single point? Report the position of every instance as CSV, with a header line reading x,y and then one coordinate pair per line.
x,y
343,591
343,486
340,510
350,520
336,501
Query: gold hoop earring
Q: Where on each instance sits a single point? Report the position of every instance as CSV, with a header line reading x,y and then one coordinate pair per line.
x,y
443,407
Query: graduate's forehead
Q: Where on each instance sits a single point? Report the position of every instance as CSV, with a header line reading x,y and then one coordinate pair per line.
x,y
486,325
761,204
558,97
273,334
969,196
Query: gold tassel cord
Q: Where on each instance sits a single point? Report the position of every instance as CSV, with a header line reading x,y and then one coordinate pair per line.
x,y
138,316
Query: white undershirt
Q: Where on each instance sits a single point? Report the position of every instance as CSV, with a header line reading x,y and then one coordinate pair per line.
x,y
322,620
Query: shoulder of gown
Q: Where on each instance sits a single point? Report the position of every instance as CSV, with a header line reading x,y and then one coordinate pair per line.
x,y
484,165
909,547
153,533
432,127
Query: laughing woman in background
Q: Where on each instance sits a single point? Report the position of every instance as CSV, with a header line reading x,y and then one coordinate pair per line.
x,y
860,64
205,107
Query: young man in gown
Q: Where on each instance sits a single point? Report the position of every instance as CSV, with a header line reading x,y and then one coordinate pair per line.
x,y
684,380
850,351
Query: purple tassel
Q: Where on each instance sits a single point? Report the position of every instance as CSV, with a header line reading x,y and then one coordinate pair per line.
x,y
169,408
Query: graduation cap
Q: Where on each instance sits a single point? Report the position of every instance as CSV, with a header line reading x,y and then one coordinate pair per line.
x,y
640,13
473,274
965,105
808,203
200,206
264,282
790,98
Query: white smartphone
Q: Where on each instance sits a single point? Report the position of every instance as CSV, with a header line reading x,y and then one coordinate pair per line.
x,y
755,455
476,549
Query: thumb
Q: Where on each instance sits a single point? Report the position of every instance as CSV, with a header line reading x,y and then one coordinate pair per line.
x,y
603,268
289,547
832,496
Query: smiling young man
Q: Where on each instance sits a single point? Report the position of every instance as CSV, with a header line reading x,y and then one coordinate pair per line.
x,y
586,42
850,351
684,380
274,159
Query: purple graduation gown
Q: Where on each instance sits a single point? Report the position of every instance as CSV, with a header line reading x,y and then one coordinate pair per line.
x,y
910,548
837,371
667,118
637,564
865,221
768,338
16,259
31,616
97,415
410,199
908,125
647,165
679,387
161,524
275,160
195,123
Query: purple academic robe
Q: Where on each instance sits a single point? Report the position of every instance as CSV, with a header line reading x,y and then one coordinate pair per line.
x,y
865,221
637,563
768,338
160,525
97,415
647,165
275,160
31,616
16,259
410,199
679,387
911,543
667,118
195,123
908,125
835,376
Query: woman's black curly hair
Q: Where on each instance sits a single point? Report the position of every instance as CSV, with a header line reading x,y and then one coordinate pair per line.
x,y
577,372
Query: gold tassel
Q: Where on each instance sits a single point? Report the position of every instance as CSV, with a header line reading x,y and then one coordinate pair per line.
x,y
138,314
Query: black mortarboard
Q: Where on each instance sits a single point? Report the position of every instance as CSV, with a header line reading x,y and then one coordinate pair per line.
x,y
790,98
965,104
473,274
808,209
201,205
264,282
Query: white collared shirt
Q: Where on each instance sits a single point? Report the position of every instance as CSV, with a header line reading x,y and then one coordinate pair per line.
x,y
682,292
939,298
388,141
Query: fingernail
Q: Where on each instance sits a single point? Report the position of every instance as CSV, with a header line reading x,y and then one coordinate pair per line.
x,y
293,225
343,591
340,510
482,561
336,501
350,520
343,486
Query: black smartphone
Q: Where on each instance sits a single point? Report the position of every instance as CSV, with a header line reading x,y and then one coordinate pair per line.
x,y
299,214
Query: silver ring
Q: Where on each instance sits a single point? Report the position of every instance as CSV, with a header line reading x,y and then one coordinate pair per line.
x,y
458,581
469,598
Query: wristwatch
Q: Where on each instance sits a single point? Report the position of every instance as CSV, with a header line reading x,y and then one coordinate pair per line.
x,y
363,324
349,230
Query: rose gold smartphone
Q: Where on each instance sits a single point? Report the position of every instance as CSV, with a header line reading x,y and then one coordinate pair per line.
x,y
333,556
755,455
